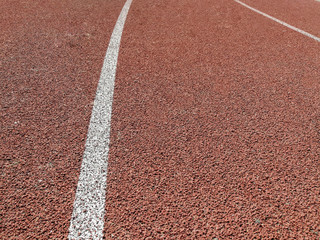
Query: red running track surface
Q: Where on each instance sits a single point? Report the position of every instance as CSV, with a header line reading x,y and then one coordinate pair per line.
x,y
303,14
51,57
215,123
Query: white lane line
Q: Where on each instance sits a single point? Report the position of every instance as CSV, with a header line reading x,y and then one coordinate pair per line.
x,y
87,220
279,21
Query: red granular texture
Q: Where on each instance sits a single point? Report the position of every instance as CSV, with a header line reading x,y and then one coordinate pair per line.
x,y
215,126
301,14
51,56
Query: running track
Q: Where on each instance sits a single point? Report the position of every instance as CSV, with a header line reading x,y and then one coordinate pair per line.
x,y
215,118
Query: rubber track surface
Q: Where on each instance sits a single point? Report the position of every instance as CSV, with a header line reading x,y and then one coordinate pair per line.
x,y
215,123
51,53
301,14
215,126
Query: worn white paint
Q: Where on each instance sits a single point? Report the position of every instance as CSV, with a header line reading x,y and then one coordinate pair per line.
x,y
89,207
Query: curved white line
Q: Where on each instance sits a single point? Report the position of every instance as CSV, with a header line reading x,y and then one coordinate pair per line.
x,y
279,21
87,220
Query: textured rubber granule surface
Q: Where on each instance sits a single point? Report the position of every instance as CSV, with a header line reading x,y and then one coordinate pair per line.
x,y
215,126
51,56
301,14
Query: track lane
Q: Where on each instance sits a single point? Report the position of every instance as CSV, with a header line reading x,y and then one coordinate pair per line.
x,y
214,129
301,14
214,126
51,57
280,22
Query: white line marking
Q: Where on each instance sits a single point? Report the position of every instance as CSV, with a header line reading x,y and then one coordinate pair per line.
x,y
279,21
87,220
